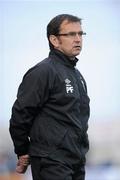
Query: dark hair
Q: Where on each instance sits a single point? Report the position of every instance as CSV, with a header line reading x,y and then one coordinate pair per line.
x,y
53,27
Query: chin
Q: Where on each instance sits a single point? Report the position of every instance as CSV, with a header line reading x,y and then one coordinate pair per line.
x,y
76,54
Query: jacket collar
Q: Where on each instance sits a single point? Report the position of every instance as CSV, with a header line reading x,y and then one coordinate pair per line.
x,y
62,58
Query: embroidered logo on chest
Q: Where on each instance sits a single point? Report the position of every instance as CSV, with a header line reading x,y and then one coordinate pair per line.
x,y
69,87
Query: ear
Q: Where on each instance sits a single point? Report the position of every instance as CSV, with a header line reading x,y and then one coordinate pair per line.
x,y
54,40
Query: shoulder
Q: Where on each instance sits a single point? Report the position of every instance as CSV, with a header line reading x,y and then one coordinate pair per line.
x,y
42,69
79,73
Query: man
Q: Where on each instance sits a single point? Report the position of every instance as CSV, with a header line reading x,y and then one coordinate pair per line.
x,y
49,119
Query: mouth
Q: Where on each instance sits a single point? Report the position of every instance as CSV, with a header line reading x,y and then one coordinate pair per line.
x,y
78,47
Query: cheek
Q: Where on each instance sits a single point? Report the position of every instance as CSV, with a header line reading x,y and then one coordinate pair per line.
x,y
68,44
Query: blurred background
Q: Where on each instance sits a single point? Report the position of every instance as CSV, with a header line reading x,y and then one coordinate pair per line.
x,y
23,43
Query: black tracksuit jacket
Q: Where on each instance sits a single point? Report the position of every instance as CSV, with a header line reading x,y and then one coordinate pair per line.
x,y
51,103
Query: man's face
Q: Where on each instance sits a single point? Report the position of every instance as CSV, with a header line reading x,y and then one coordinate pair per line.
x,y
70,44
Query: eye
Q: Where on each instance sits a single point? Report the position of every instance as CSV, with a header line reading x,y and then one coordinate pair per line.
x,y
73,34
81,33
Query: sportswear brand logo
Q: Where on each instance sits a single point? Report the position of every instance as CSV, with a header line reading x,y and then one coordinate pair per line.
x,y
69,87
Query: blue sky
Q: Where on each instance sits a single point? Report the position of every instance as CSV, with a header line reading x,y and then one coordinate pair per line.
x,y
24,43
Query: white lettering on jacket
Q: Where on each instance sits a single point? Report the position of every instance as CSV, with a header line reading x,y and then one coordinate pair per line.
x,y
69,87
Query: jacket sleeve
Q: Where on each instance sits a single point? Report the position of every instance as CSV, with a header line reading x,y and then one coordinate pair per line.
x,y
33,92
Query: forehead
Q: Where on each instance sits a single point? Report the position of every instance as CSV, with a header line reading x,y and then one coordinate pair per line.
x,y
70,26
